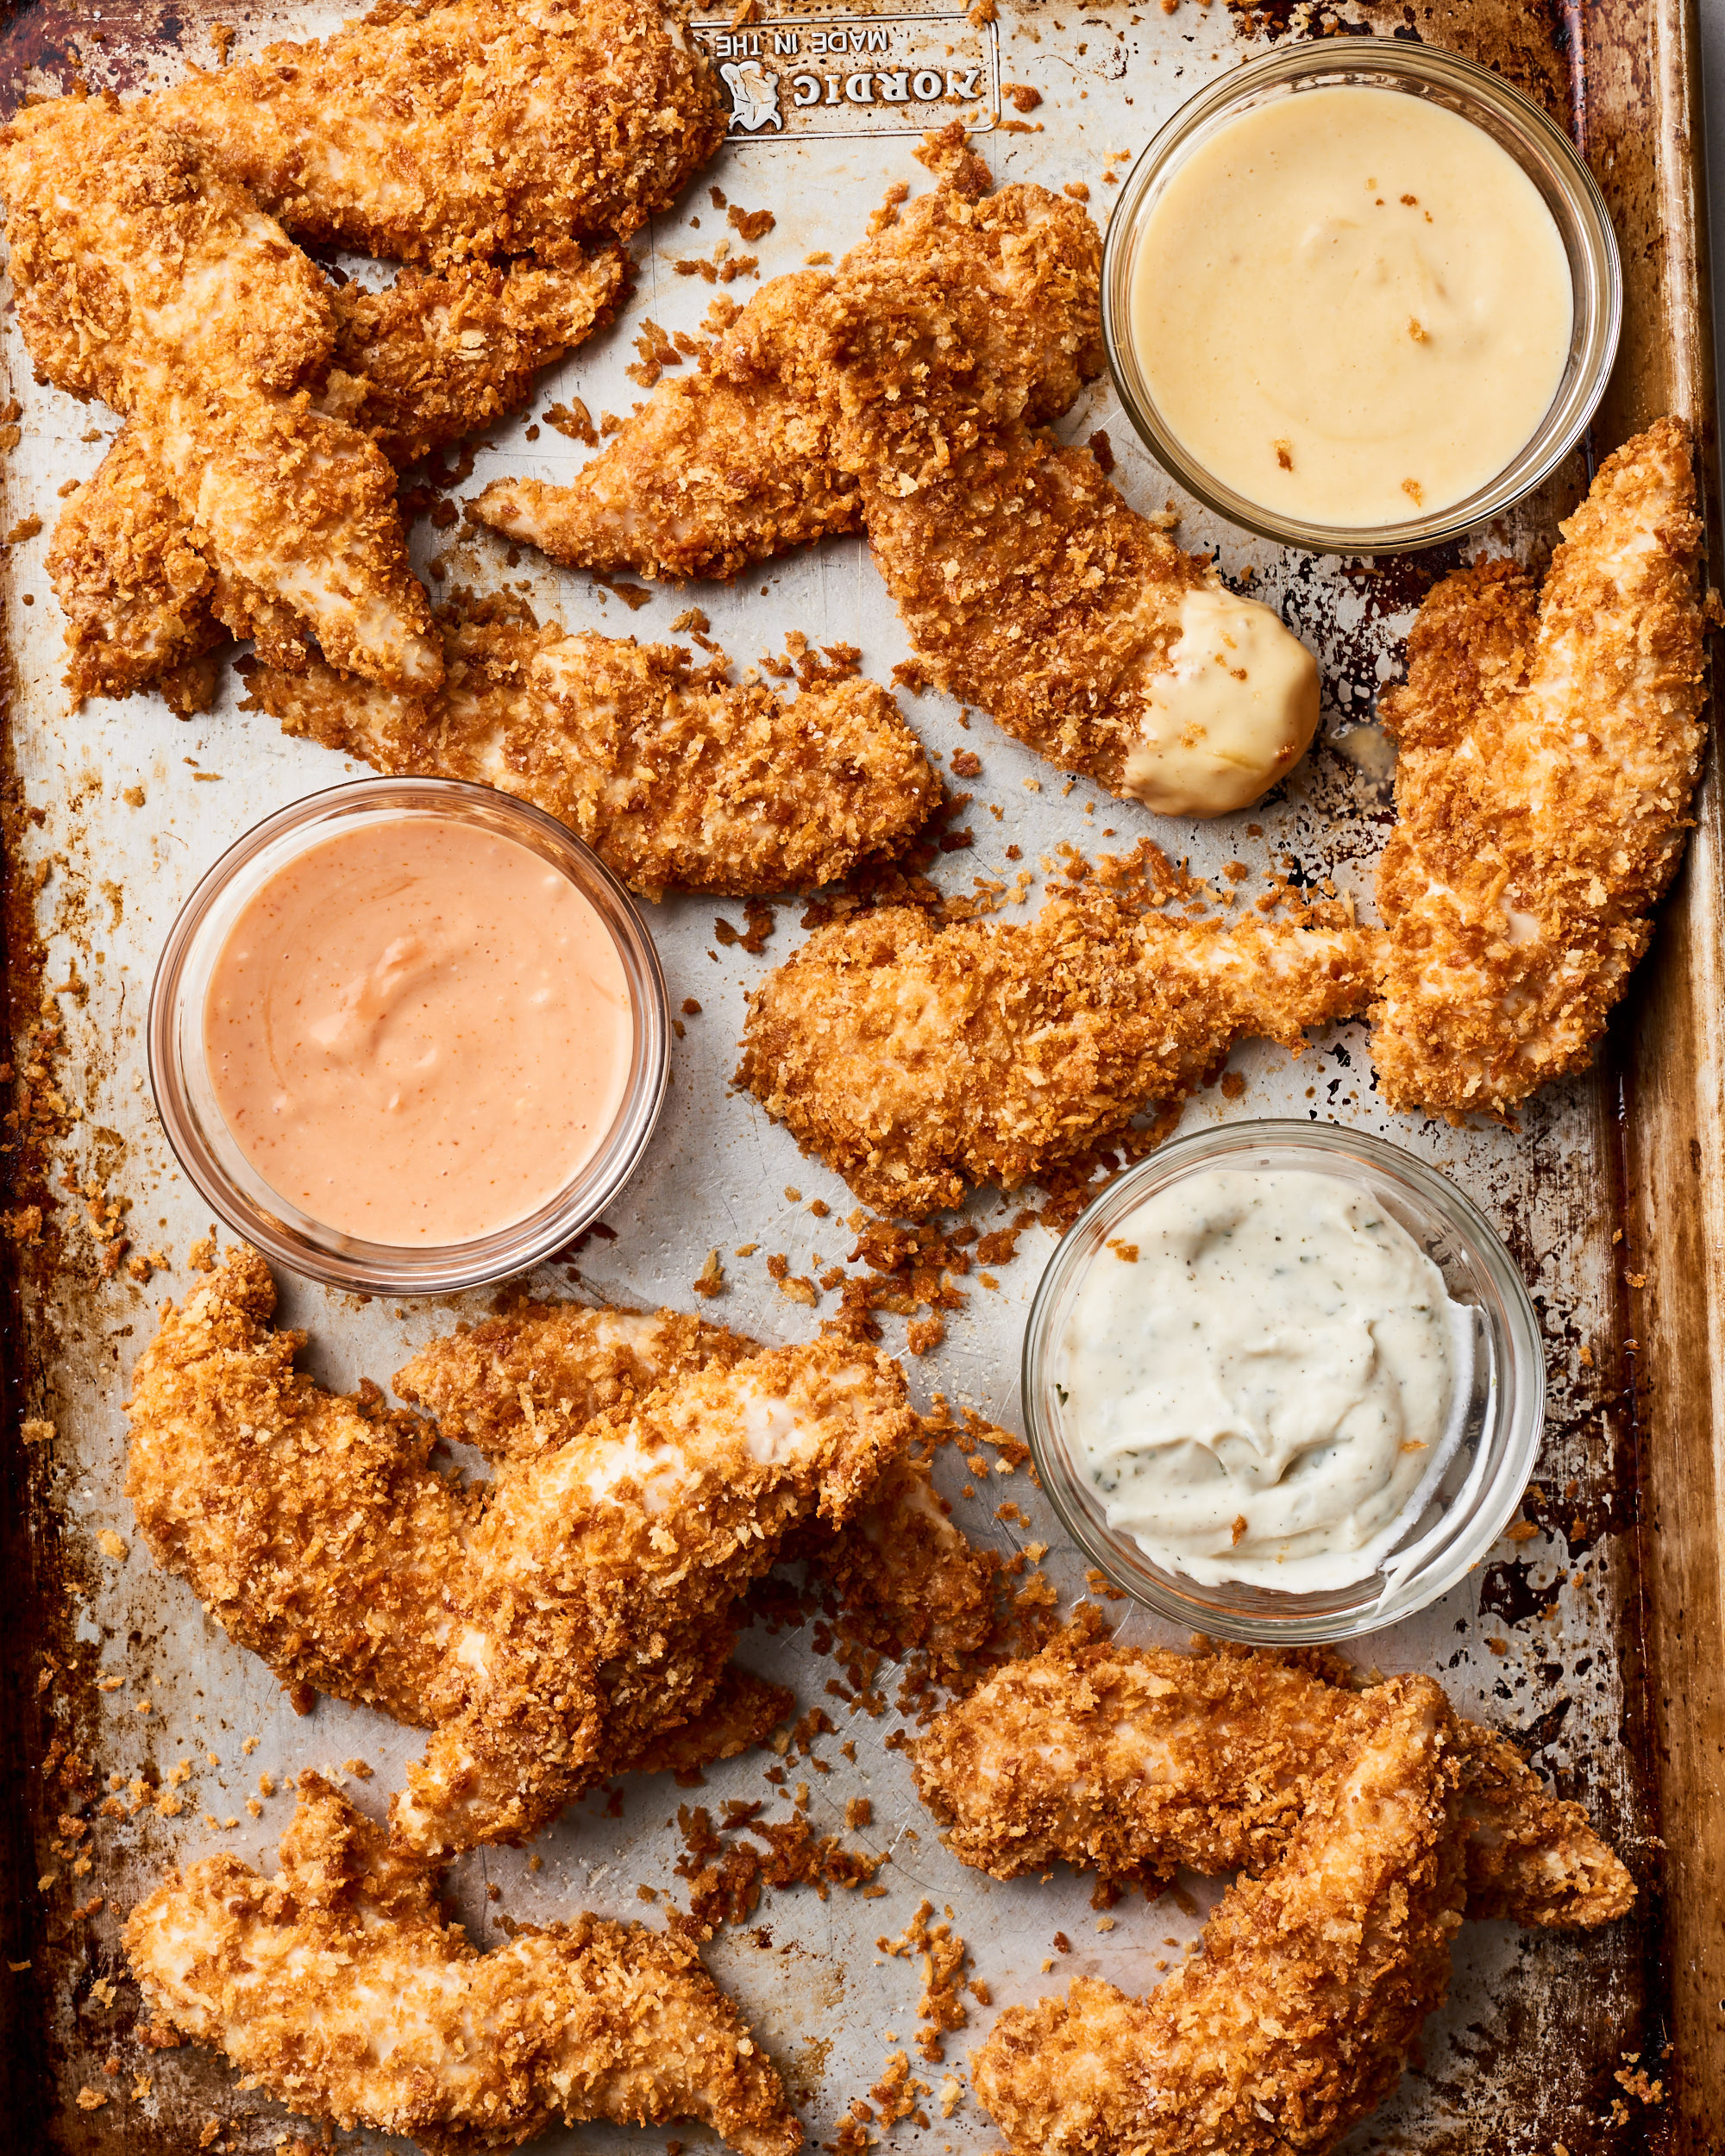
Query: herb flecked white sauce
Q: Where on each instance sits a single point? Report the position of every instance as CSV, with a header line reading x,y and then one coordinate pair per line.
x,y
1257,1374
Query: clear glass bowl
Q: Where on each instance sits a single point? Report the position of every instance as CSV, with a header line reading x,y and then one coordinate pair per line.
x,y
1518,126
180,1074
1477,1481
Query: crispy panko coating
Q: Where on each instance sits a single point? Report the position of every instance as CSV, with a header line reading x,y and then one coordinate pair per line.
x,y
730,465
1133,1761
144,278
563,1625
474,127
915,1060
313,1531
520,1383
741,1714
735,462
339,1986
416,367
438,355
132,586
1028,585
907,1581
1550,741
1293,2022
623,1552
674,775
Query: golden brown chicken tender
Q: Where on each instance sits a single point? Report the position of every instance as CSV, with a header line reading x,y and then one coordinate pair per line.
x,y
340,1987
1550,741
675,776
144,278
1133,1761
1294,2021
415,366
426,131
565,1623
917,1061
735,462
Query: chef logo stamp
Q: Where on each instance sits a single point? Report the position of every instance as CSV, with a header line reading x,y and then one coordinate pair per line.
x,y
811,77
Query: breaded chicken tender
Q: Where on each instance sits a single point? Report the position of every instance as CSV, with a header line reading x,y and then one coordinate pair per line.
x,y
1294,2021
735,462
1133,1761
135,591
623,1553
438,355
144,278
560,1625
516,1385
913,389
917,1061
416,367
674,775
1551,738
1028,585
339,1986
483,128
907,1581
311,1526
727,465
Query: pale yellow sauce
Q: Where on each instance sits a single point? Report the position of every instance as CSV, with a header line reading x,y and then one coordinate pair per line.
x,y
1352,306
1237,708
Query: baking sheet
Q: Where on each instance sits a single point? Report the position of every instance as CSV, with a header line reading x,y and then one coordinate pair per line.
x,y
119,809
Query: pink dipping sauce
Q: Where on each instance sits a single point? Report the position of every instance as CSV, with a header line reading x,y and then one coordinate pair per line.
x,y
418,1032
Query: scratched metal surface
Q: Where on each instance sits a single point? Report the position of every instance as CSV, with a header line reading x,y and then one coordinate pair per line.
x,y
120,807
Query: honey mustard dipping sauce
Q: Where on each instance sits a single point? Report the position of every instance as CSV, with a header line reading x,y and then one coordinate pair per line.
x,y
418,1032
1350,306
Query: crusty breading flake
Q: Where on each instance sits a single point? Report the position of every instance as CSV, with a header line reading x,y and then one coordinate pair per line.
x,y
675,775
339,1986
917,1060
1550,740
1134,1761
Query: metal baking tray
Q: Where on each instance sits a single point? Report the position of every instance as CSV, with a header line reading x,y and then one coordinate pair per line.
x,y
1598,1642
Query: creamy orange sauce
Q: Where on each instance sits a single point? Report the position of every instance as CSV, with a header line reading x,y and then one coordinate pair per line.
x,y
418,1032
1352,305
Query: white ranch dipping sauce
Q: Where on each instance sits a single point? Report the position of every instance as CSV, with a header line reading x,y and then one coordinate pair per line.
x,y
1258,1392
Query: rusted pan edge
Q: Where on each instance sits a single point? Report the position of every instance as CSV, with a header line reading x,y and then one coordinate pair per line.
x,y
1673,1069
22,2084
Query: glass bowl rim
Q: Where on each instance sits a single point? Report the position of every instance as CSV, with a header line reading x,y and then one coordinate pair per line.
x,y
395,1269
1521,1341
1468,79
